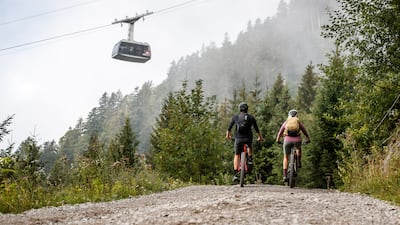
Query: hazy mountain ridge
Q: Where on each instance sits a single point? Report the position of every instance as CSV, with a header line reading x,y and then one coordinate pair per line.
x,y
283,44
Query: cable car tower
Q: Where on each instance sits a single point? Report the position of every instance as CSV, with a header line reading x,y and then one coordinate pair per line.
x,y
131,50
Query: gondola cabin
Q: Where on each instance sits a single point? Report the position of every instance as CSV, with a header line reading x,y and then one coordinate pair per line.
x,y
132,51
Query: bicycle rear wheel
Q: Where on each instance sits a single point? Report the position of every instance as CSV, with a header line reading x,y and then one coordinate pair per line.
x,y
291,170
242,168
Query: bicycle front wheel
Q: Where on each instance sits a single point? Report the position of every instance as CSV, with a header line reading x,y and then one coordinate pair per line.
x,y
242,168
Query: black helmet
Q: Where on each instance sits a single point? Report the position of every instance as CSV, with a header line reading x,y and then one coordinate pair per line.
x,y
243,107
292,113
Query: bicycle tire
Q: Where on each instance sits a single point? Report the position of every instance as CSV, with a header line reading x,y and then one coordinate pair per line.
x,y
291,169
242,168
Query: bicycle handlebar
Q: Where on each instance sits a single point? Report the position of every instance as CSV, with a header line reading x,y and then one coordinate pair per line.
x,y
302,143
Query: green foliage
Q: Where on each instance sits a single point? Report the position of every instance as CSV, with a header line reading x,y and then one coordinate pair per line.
x,y
3,127
15,198
370,31
95,148
3,132
60,174
186,144
330,120
381,110
124,147
73,143
48,155
7,170
307,90
365,114
28,166
377,174
7,162
93,176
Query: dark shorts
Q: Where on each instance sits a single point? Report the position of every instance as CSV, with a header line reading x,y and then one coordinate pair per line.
x,y
240,142
288,145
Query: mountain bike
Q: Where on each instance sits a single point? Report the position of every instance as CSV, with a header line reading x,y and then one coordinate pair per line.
x,y
293,167
244,167
294,164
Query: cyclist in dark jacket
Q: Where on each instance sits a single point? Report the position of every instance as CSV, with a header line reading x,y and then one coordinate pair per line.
x,y
242,136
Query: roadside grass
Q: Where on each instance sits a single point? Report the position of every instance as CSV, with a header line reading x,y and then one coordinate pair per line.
x,y
16,197
379,177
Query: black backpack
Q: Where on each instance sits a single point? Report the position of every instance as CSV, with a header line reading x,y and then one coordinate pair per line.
x,y
243,123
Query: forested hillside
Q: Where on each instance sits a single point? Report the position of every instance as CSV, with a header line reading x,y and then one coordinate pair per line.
x,y
283,44
340,70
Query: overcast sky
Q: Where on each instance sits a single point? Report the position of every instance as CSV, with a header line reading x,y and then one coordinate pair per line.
x,y
50,85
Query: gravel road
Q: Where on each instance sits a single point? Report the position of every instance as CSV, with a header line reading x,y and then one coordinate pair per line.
x,y
253,204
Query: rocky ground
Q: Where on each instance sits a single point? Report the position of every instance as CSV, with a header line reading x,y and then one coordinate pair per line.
x,y
252,204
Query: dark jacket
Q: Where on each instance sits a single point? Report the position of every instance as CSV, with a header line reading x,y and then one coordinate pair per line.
x,y
248,132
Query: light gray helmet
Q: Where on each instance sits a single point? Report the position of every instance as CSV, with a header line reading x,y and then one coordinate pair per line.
x,y
292,113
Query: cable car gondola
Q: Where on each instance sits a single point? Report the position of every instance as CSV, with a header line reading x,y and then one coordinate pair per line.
x,y
132,51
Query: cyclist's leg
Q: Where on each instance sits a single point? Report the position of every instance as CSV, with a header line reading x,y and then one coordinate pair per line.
x,y
236,160
238,150
250,151
286,152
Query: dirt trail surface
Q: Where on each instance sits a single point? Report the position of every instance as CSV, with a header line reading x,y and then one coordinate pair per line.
x,y
253,204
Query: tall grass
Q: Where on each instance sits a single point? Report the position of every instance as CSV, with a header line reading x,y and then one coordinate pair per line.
x,y
377,174
16,198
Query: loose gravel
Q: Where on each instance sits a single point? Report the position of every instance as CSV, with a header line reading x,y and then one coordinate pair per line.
x,y
252,204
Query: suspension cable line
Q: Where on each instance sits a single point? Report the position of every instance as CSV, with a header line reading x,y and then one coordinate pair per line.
x,y
47,12
172,8
81,31
55,37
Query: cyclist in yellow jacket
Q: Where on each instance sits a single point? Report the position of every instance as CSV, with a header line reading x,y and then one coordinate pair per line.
x,y
291,129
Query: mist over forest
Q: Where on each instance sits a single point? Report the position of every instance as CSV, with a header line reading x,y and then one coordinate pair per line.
x,y
283,44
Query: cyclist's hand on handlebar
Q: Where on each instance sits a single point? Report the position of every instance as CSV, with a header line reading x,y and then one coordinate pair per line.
x,y
228,135
279,142
259,138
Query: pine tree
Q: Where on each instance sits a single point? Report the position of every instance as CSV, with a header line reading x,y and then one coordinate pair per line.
x,y
28,166
329,119
61,173
94,149
48,155
7,162
186,144
124,146
307,90
3,127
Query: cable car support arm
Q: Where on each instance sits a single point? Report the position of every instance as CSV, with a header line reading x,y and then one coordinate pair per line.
x,y
131,22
